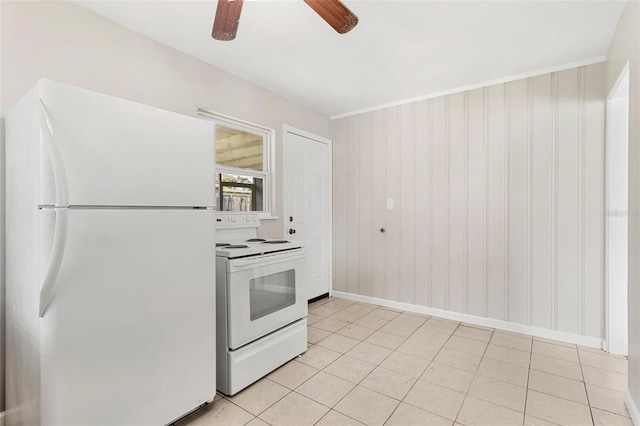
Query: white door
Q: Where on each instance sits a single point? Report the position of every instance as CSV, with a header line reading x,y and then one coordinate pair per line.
x,y
307,203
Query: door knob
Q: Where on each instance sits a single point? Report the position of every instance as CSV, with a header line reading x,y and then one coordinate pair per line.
x,y
292,231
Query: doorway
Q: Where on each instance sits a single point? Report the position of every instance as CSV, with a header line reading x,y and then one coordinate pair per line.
x,y
307,203
617,216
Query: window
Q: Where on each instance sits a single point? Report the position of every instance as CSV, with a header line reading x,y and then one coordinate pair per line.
x,y
243,165
238,193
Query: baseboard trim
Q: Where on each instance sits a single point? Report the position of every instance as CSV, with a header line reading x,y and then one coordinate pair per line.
x,y
594,342
633,408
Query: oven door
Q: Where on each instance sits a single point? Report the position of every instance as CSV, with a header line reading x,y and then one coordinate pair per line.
x,y
264,293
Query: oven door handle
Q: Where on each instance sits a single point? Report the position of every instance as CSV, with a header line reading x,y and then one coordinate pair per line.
x,y
237,264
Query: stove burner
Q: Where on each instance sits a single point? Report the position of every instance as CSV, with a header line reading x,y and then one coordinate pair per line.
x,y
235,246
254,240
276,242
222,244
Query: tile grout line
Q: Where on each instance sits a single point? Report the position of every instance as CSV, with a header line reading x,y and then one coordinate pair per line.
x,y
482,357
584,382
425,369
316,373
395,408
324,405
326,372
526,394
261,412
340,412
475,373
385,358
376,366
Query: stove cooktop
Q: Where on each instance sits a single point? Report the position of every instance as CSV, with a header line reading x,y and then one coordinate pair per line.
x,y
237,237
254,248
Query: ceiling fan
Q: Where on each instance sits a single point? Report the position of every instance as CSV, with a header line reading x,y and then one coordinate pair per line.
x,y
334,12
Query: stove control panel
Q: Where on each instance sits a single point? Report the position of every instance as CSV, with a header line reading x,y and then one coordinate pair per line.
x,y
237,220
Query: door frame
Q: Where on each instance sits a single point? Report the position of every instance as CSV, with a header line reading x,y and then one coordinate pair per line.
x,y
287,130
610,321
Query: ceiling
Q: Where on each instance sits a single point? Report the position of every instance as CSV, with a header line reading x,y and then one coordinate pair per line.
x,y
399,50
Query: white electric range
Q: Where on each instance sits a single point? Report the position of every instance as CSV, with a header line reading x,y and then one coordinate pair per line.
x,y
261,302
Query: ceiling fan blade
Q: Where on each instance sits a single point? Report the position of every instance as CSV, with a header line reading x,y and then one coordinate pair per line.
x,y
227,19
335,13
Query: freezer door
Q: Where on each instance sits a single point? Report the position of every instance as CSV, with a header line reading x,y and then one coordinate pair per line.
x,y
109,151
129,335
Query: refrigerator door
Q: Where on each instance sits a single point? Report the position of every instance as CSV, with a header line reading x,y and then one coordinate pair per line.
x,y
129,335
106,151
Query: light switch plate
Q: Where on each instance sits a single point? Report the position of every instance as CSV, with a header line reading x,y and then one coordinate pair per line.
x,y
389,203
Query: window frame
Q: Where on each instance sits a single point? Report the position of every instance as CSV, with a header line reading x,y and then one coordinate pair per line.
x,y
268,155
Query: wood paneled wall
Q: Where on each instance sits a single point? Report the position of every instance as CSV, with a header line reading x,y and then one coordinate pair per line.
x,y
498,202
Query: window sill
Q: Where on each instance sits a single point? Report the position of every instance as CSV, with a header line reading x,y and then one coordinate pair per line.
x,y
267,216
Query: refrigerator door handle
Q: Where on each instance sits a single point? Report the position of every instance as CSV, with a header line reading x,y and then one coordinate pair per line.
x,y
55,260
55,154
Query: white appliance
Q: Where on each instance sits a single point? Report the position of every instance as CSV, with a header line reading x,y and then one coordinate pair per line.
x,y
261,302
110,273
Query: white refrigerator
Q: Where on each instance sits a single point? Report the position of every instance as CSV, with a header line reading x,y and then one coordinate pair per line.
x,y
110,266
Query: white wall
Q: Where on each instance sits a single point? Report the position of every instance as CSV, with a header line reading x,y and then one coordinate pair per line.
x,y
625,47
63,42
498,197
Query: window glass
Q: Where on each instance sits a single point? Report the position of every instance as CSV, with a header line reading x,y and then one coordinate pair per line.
x,y
271,293
239,193
238,148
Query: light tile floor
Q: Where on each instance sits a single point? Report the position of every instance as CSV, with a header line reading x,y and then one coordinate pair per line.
x,y
377,366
